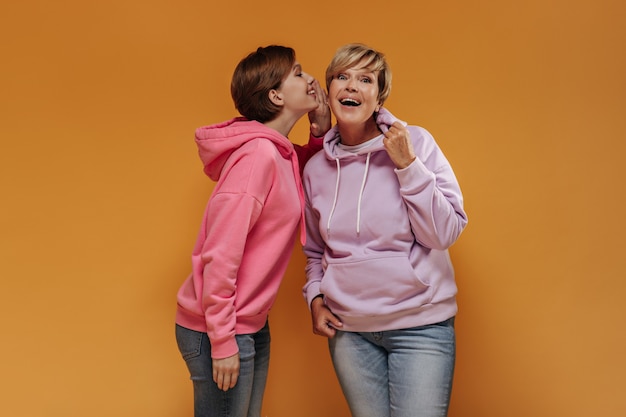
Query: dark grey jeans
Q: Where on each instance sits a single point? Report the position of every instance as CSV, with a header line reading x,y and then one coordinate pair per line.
x,y
246,398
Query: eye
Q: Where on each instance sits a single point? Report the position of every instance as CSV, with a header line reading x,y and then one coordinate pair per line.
x,y
366,80
342,77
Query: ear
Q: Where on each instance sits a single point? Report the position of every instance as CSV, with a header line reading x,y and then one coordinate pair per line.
x,y
276,97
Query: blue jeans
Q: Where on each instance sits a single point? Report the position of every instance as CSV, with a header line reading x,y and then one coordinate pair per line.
x,y
246,398
396,373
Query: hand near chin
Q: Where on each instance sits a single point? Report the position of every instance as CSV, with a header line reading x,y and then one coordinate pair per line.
x,y
226,372
398,145
320,117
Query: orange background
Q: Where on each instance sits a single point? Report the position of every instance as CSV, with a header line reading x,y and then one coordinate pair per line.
x,y
102,193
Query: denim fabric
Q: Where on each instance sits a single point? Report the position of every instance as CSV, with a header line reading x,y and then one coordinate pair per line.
x,y
246,398
396,373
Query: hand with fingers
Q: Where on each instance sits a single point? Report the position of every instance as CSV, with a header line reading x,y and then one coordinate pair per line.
x,y
325,323
226,372
398,145
320,117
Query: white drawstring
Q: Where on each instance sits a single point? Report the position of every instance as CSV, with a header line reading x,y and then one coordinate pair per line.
x,y
358,212
332,210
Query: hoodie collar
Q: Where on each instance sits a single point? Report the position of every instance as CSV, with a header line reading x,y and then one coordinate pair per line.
x,y
384,119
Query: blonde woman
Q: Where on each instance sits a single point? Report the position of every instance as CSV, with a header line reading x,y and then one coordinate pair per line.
x,y
383,207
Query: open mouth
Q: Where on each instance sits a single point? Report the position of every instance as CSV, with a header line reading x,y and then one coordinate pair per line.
x,y
350,102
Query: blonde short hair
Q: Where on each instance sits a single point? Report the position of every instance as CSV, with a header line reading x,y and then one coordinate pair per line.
x,y
350,55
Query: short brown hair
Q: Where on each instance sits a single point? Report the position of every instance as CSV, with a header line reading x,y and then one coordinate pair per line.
x,y
255,76
352,54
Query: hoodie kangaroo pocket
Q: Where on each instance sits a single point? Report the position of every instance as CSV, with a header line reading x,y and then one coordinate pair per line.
x,y
373,286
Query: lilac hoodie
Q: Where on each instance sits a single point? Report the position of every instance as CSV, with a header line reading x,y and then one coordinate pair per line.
x,y
377,237
247,233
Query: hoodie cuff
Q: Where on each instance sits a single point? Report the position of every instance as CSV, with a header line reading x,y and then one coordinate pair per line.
x,y
224,349
312,291
316,140
415,174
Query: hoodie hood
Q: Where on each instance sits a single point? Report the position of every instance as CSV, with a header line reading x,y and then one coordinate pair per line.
x,y
217,142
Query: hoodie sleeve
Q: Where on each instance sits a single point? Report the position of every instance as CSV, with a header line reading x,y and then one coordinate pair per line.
x,y
305,152
313,249
232,216
432,194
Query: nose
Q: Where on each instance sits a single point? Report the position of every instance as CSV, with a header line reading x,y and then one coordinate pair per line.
x,y
351,85
309,78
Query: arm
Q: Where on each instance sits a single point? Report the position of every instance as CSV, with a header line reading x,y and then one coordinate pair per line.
x,y
324,322
231,217
313,248
305,152
428,186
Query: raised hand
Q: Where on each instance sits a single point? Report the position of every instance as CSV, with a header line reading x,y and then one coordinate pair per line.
x,y
398,145
320,117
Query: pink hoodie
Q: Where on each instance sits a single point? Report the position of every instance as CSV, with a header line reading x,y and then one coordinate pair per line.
x,y
248,230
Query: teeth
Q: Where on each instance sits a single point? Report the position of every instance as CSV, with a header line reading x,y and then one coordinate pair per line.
x,y
349,102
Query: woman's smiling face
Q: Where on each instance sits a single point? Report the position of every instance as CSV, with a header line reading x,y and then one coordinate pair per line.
x,y
353,95
297,91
